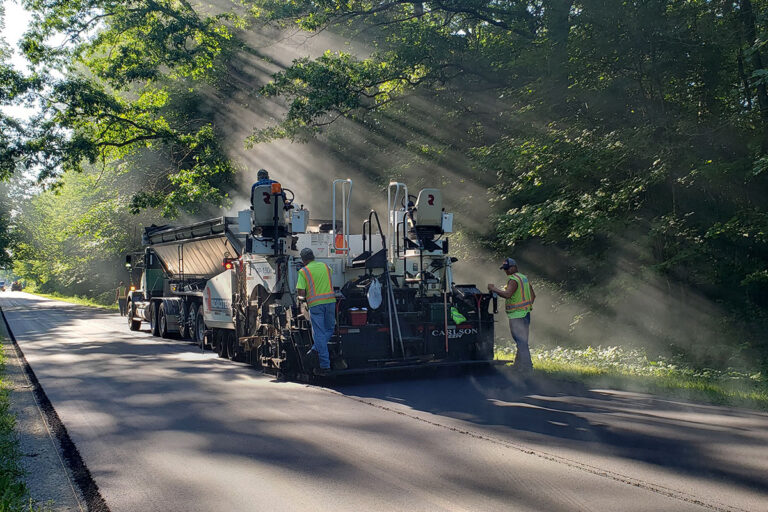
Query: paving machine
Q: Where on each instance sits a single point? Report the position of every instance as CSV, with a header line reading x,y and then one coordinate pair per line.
x,y
230,284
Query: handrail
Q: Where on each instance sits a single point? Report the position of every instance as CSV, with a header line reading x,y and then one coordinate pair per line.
x,y
369,238
346,201
370,235
378,225
397,240
391,209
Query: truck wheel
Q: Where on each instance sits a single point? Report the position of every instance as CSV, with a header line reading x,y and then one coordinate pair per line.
x,y
193,323
229,343
162,322
153,319
198,327
220,340
183,320
133,325
233,347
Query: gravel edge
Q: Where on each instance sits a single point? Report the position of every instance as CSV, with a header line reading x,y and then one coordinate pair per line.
x,y
89,491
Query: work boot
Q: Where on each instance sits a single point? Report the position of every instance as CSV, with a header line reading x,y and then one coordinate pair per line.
x,y
525,371
322,372
338,363
523,363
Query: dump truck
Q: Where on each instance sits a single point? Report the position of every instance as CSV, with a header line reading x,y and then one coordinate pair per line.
x,y
229,284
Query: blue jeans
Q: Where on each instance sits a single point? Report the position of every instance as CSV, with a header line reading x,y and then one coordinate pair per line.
x,y
519,327
323,317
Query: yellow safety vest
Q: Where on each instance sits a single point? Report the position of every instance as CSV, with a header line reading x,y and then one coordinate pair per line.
x,y
319,285
520,303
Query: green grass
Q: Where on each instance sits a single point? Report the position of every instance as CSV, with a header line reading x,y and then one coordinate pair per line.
x,y
14,495
631,370
76,299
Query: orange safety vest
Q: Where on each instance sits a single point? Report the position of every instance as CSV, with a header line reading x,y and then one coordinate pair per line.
x,y
314,294
341,244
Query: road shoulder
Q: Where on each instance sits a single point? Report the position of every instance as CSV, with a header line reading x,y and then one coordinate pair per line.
x,y
48,479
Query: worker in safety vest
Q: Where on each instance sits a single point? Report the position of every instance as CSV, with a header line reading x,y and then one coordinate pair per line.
x,y
121,296
315,286
519,297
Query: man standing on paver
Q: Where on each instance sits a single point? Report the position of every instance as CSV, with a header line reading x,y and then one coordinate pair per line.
x,y
315,286
519,297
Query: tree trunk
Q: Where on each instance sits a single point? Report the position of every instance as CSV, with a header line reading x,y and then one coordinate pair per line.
x,y
558,24
750,35
744,79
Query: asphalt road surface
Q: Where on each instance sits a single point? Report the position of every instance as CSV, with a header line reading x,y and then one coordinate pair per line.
x,y
163,427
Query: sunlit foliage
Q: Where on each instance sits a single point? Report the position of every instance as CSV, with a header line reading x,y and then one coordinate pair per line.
x,y
75,238
114,80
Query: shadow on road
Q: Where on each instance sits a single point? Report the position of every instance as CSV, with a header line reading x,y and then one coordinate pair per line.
x,y
568,415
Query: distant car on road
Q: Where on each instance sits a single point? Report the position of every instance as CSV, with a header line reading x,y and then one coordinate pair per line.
x,y
16,286
2,286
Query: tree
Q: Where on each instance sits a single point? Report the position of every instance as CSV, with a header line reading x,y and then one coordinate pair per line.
x,y
126,68
73,239
5,232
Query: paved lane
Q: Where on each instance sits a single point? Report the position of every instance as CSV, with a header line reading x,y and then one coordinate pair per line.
x,y
163,427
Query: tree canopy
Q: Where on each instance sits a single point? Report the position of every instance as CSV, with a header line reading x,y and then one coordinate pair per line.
x,y
123,78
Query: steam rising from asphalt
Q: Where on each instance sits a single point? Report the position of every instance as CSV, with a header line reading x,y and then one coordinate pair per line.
x,y
309,168
642,312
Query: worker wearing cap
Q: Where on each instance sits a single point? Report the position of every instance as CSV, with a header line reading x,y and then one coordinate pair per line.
x,y
519,297
263,178
315,286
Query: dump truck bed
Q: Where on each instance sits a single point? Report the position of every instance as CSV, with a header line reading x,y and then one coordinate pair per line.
x,y
196,249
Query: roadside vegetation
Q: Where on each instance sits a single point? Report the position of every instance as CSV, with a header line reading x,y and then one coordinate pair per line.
x,y
102,303
13,491
14,495
632,370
